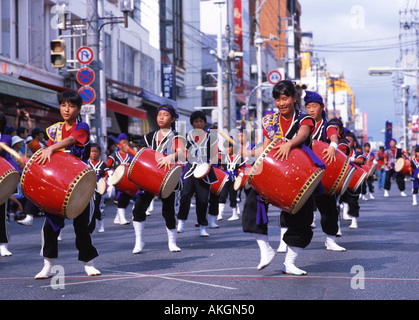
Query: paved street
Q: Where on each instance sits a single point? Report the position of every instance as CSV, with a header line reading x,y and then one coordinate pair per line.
x,y
380,263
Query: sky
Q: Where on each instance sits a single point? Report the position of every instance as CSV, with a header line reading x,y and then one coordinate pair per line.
x,y
351,37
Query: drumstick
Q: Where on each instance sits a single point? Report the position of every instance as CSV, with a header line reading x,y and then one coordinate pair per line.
x,y
227,137
13,152
130,150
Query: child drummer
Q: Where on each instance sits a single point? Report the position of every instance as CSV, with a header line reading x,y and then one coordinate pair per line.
x,y
101,170
326,204
201,147
167,142
120,157
73,135
295,128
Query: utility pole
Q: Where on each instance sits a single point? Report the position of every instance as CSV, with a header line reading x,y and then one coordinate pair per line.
x,y
220,97
259,42
93,42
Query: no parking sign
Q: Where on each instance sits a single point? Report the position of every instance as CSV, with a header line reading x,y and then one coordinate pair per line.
x,y
274,77
85,76
88,95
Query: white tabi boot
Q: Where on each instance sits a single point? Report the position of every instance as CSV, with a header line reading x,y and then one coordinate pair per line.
x,y
90,269
267,254
121,214
4,251
181,226
100,226
139,229
203,231
220,211
235,216
46,273
415,200
354,224
331,244
211,222
345,215
289,263
28,221
171,237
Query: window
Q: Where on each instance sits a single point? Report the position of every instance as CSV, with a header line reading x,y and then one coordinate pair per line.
x,y
5,28
35,24
126,67
147,73
171,22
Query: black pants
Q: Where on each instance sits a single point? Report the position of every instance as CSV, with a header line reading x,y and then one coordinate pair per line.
x,y
213,204
84,243
399,180
228,191
369,182
168,209
326,204
4,230
201,190
351,198
123,199
299,233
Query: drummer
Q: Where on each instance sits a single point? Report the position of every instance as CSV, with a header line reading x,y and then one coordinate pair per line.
x,y
296,128
202,147
231,163
4,230
120,157
101,170
390,158
368,183
72,135
414,163
166,141
326,204
351,197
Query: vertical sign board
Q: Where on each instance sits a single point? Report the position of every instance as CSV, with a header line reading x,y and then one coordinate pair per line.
x,y
168,81
238,43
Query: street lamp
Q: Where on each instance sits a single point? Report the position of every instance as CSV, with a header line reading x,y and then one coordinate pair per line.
x,y
387,71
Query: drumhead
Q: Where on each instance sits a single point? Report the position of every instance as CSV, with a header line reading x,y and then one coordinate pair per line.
x,y
170,181
399,165
101,186
201,171
118,174
237,183
80,193
347,180
8,184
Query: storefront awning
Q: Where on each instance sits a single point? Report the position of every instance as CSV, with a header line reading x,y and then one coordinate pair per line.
x,y
22,89
124,109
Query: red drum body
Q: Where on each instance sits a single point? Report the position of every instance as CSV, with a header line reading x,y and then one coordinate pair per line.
x,y
9,179
143,171
286,184
403,166
222,177
62,186
121,182
369,169
335,172
244,172
358,178
102,186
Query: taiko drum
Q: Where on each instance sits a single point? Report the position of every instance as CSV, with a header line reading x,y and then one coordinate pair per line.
x,y
9,179
358,178
143,171
336,171
286,184
403,166
62,186
240,181
222,178
121,182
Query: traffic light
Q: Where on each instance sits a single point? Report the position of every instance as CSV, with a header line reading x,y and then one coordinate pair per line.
x,y
58,53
